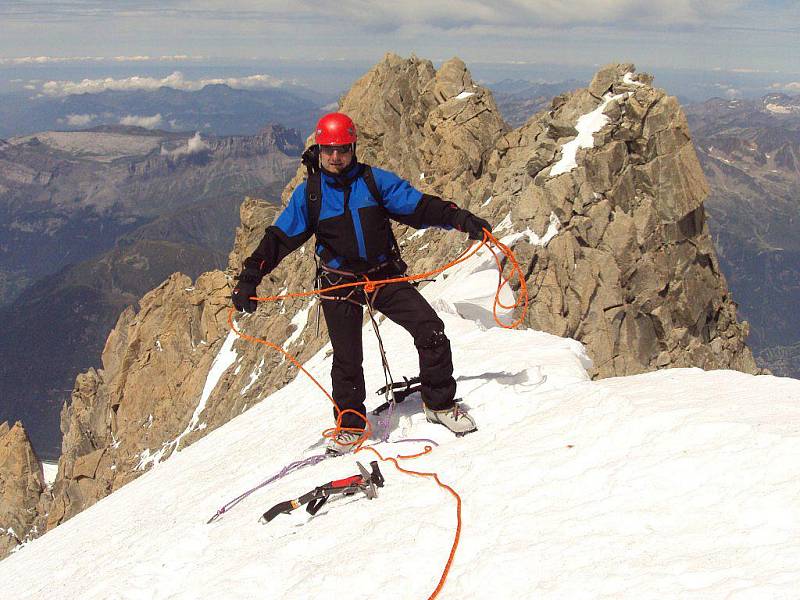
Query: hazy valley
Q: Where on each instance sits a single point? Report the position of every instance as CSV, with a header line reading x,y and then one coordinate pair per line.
x,y
94,219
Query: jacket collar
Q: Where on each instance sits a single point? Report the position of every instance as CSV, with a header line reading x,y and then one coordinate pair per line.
x,y
343,179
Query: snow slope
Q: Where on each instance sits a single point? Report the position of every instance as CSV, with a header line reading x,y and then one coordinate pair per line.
x,y
675,484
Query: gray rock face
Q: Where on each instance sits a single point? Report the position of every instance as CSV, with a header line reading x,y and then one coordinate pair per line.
x,y
21,488
138,408
632,272
604,196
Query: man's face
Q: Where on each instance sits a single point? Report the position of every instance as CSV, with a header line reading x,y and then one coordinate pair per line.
x,y
336,159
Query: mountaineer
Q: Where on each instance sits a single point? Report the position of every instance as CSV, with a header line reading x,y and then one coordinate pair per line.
x,y
347,205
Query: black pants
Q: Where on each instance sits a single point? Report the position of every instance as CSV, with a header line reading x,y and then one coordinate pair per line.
x,y
403,304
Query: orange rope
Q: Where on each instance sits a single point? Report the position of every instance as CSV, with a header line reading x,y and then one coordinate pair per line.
x,y
370,286
435,477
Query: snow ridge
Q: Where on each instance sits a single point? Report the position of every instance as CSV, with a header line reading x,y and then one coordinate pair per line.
x,y
677,483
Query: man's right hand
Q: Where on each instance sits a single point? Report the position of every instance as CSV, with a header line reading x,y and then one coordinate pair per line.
x,y
242,293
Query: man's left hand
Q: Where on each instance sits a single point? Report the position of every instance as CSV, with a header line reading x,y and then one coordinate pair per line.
x,y
472,225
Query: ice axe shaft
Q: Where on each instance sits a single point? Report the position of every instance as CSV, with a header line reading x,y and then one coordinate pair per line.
x,y
366,482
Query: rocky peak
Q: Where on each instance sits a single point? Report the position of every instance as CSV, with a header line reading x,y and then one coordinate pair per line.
x,y
268,140
139,407
287,140
21,487
608,185
600,197
436,128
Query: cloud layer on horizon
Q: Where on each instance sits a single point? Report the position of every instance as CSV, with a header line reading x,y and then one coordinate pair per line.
x,y
43,60
176,81
791,86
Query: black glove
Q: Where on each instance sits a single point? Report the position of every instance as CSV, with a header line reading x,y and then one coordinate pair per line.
x,y
470,224
246,288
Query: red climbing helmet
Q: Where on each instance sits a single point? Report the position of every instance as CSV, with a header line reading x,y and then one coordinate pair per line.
x,y
335,129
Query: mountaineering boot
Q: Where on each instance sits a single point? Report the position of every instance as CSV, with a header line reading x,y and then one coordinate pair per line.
x,y
343,442
455,419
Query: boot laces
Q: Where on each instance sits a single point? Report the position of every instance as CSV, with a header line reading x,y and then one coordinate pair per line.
x,y
347,437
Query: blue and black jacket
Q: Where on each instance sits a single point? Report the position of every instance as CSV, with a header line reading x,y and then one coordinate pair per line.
x,y
353,232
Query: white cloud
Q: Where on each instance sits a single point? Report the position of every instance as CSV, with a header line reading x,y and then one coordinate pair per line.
x,y
793,86
176,80
348,23
194,145
730,92
253,82
80,120
142,121
669,33
41,60
162,58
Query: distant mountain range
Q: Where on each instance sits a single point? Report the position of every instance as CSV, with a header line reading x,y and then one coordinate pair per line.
x,y
215,109
519,100
750,152
91,220
65,196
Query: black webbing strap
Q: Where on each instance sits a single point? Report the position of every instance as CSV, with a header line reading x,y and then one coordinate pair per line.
x,y
310,159
369,179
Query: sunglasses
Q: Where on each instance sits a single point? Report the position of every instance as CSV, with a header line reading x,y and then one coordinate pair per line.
x,y
329,150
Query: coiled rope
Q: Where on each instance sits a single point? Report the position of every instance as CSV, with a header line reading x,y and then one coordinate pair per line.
x,y
369,285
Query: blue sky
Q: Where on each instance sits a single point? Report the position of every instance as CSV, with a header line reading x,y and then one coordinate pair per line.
x,y
727,34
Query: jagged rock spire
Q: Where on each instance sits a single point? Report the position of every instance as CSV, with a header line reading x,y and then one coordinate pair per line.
x,y
632,272
21,487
